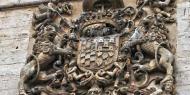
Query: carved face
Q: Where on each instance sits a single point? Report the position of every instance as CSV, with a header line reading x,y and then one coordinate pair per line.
x,y
65,8
147,21
50,32
124,54
110,91
95,91
168,86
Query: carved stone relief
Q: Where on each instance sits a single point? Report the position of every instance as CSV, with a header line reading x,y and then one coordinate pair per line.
x,y
110,49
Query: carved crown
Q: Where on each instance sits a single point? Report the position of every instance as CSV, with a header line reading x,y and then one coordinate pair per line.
x,y
104,14
99,20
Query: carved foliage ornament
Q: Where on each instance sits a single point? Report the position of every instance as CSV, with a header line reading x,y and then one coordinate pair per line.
x,y
110,49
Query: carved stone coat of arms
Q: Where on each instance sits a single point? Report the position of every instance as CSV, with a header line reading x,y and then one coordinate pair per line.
x,y
111,48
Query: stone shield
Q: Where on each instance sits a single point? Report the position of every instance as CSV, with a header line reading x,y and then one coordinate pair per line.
x,y
97,53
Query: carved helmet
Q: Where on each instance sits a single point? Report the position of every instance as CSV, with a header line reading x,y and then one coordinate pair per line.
x,y
92,5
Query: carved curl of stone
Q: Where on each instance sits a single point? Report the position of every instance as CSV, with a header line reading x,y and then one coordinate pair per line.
x,y
109,50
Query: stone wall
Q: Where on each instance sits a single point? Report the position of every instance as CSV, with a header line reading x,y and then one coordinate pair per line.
x,y
15,27
14,38
5,2
183,48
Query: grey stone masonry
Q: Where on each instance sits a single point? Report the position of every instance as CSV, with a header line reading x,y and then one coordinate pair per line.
x,y
5,2
14,37
15,26
183,48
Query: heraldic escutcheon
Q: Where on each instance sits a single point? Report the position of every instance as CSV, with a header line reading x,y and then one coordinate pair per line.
x,y
107,49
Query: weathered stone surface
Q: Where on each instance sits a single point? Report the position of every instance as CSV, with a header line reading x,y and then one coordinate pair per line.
x,y
5,2
183,90
183,79
14,37
183,48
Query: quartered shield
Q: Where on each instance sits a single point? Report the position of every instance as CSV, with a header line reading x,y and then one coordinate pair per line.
x,y
98,52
